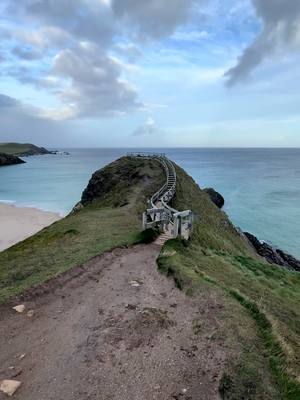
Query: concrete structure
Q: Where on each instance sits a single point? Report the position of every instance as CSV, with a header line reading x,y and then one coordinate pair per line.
x,y
161,214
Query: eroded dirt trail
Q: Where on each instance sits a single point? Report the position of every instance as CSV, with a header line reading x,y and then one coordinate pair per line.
x,y
112,329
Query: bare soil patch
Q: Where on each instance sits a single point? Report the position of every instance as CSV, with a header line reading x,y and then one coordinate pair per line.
x,y
96,335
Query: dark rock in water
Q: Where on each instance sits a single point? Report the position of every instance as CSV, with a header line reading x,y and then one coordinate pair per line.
x,y
289,260
273,255
7,159
215,197
60,153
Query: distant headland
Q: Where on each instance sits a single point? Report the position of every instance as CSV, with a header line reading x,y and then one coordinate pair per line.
x,y
10,152
22,149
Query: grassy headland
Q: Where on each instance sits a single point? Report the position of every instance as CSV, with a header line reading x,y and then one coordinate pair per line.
x,y
22,149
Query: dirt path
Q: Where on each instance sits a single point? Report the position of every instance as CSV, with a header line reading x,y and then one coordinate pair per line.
x,y
114,329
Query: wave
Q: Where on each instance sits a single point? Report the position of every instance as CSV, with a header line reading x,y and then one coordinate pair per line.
x,y
7,201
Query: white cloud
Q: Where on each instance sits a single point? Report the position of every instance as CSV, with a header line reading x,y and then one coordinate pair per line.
x,y
88,71
149,128
94,86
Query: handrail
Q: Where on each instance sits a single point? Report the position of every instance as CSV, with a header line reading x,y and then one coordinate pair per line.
x,y
166,193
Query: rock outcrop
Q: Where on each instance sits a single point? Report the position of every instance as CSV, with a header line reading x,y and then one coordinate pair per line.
x,y
112,184
6,159
215,197
273,255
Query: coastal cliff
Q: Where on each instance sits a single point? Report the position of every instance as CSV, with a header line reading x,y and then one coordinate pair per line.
x,y
22,149
241,313
6,159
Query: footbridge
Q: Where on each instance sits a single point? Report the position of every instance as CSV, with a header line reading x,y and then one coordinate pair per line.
x,y
160,214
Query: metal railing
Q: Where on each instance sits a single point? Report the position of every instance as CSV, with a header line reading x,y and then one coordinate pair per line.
x,y
161,212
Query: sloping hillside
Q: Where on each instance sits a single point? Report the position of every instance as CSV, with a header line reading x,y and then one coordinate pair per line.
x,y
22,149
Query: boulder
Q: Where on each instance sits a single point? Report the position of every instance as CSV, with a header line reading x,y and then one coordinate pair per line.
x,y
215,197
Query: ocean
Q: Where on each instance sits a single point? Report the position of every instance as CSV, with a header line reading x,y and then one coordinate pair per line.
x,y
261,187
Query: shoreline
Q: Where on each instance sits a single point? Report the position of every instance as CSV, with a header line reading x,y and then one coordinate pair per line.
x,y
19,223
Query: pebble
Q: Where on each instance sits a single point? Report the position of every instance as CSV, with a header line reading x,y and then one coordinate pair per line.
x,y
30,313
20,308
134,284
9,387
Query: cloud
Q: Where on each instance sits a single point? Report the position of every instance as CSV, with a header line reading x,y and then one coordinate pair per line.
x,y
27,53
78,47
7,102
129,51
47,37
96,88
147,129
85,19
24,121
153,18
280,31
190,36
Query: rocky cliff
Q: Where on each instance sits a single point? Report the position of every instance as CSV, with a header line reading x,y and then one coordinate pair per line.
x,y
272,254
6,159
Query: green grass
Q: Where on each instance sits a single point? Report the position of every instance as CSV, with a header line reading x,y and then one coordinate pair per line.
x,y
96,228
290,388
219,257
16,148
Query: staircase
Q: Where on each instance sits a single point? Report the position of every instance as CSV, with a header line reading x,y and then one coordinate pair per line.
x,y
163,238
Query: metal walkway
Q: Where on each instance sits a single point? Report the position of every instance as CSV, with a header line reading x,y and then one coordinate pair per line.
x,y
161,214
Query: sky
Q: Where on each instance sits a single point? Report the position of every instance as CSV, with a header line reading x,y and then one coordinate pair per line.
x,y
150,73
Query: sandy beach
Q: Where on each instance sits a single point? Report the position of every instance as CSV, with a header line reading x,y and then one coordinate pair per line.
x,y
18,223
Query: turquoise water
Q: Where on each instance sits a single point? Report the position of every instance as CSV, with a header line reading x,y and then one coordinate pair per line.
x,y
261,186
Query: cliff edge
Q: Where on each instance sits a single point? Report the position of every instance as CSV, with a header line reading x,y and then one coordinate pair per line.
x,y
6,159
